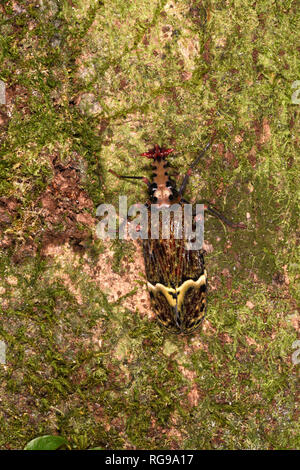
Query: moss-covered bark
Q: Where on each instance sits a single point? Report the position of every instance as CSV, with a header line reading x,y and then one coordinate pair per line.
x,y
89,86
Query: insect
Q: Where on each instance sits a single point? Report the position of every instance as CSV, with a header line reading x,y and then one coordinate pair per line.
x,y
177,278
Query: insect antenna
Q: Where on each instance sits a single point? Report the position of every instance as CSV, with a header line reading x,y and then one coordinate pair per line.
x,y
190,170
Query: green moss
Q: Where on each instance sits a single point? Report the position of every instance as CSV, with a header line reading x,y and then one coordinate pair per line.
x,y
175,73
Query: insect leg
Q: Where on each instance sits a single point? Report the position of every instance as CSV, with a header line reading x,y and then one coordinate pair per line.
x,y
190,170
213,211
145,180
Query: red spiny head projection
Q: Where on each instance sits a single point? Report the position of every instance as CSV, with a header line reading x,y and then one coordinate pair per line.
x,y
157,152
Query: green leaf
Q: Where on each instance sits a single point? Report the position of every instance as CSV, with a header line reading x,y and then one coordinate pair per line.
x,y
46,443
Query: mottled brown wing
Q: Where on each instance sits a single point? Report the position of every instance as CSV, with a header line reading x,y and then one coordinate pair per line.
x,y
163,311
169,262
194,308
177,283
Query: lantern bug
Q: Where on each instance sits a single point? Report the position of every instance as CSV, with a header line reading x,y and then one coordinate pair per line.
x,y
177,278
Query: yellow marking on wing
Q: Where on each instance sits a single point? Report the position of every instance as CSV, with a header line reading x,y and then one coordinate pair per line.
x,y
187,284
164,290
181,291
